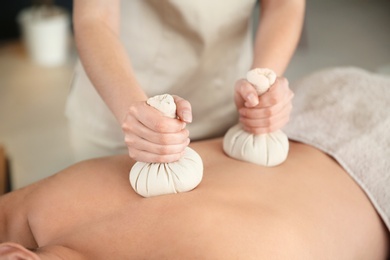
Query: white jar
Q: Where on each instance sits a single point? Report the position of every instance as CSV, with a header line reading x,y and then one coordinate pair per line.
x,y
45,31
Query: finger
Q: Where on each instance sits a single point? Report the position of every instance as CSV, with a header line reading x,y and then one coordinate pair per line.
x,y
259,123
145,156
146,146
131,127
246,94
143,151
155,120
268,123
183,109
267,129
136,143
263,112
281,85
278,91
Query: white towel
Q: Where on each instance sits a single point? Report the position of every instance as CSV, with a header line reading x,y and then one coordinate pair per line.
x,y
345,112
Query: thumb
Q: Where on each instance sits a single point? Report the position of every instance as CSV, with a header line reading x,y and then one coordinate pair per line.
x,y
183,109
246,94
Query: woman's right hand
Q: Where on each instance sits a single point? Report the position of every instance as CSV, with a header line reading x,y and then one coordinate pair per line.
x,y
266,113
152,137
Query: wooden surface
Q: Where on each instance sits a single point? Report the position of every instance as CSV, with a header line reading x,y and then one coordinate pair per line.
x,y
3,172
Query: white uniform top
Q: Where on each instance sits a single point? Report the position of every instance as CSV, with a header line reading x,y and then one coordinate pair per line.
x,y
193,49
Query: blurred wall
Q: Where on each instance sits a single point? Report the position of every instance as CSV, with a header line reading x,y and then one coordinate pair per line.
x,y
9,9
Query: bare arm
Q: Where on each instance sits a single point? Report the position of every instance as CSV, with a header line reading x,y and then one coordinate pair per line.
x,y
277,36
96,24
149,136
276,39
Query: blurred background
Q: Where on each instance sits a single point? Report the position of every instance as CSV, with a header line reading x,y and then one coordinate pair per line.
x,y
33,89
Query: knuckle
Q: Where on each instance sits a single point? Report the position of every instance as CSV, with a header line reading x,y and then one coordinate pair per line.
x,y
185,133
163,150
129,141
175,157
160,126
125,126
243,112
164,139
273,100
132,154
284,81
133,110
268,112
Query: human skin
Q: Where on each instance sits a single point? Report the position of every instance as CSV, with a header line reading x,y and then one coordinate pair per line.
x,y
306,208
96,24
277,36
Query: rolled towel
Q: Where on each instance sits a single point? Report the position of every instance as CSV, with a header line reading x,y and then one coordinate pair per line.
x,y
153,179
268,149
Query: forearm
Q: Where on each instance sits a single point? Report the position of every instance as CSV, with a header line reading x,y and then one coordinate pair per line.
x,y
105,59
278,33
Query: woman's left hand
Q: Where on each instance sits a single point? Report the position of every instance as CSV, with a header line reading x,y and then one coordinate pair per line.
x,y
266,113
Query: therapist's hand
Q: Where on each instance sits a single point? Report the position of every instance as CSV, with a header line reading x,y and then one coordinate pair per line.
x,y
266,113
152,137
